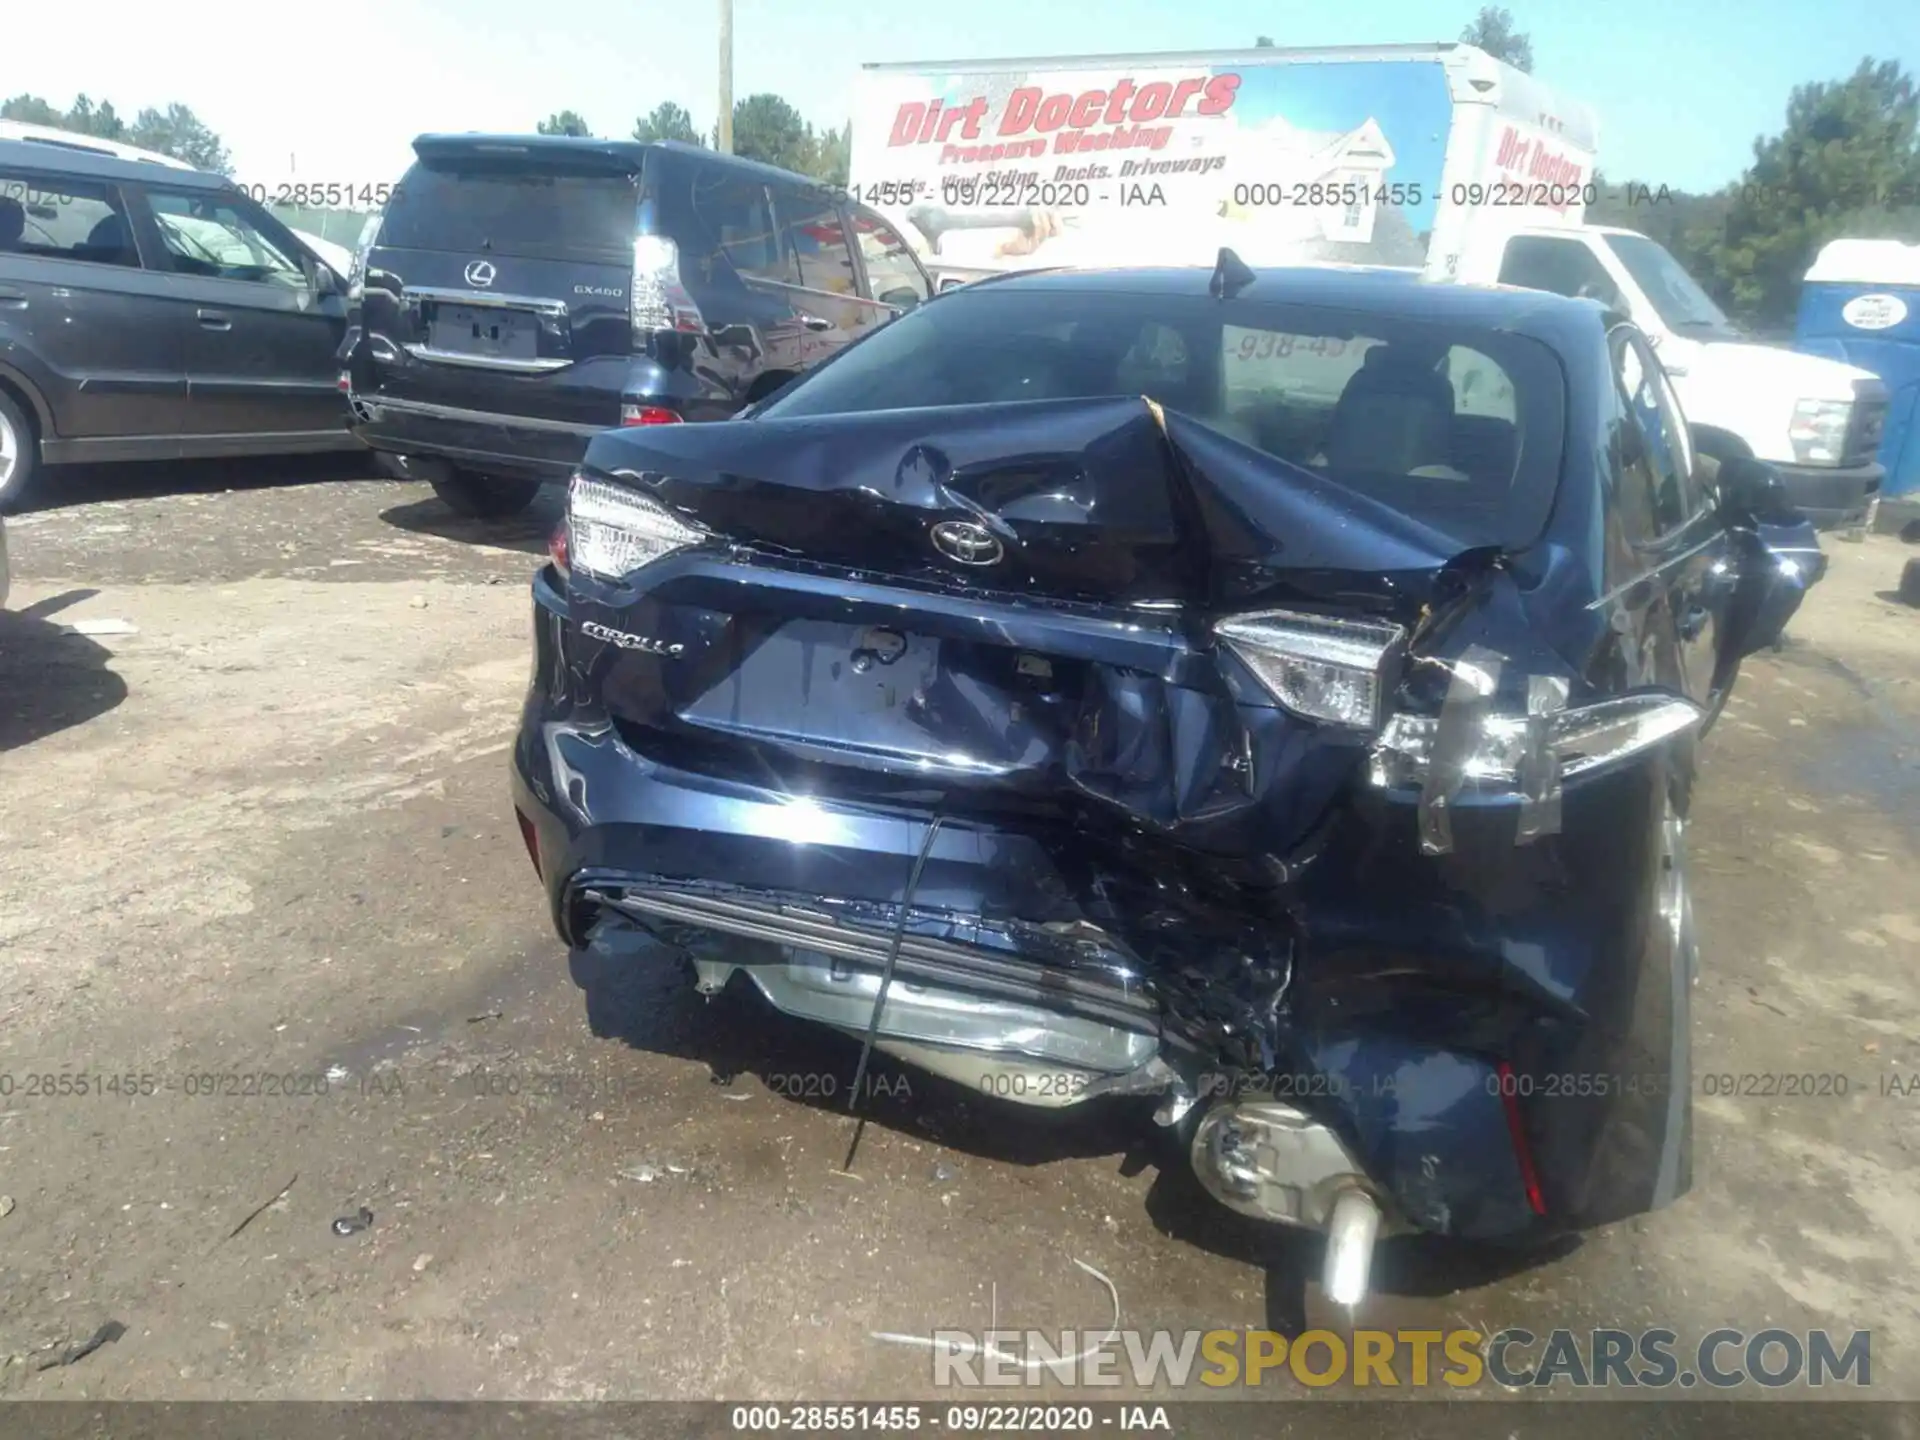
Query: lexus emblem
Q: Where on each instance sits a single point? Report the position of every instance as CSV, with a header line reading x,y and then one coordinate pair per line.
x,y
967,543
480,273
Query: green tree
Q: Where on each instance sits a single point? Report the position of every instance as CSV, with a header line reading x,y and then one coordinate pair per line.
x,y
1847,164
1263,42
564,122
178,132
83,117
100,121
768,129
1492,31
833,155
1689,224
32,110
667,122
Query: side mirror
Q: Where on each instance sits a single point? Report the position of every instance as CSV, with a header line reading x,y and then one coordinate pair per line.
x,y
902,299
325,282
1752,491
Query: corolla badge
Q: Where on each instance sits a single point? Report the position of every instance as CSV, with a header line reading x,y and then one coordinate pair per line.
x,y
967,543
644,643
480,273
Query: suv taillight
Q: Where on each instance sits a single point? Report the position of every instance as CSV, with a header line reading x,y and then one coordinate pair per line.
x,y
659,301
648,415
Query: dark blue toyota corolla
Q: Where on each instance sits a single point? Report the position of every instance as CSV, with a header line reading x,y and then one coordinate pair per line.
x,y
1275,692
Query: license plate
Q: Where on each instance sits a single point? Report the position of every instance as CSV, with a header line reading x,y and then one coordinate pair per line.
x,y
486,331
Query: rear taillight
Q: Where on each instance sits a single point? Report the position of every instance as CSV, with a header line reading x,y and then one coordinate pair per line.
x,y
612,531
557,545
648,415
1347,673
1316,666
345,383
658,300
529,837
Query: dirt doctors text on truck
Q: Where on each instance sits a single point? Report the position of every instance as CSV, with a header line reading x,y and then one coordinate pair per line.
x,y
1435,157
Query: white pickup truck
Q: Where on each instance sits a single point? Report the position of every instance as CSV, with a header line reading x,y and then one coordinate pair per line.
x,y
1436,157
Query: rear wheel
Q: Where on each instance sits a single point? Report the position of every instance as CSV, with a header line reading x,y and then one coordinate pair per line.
x,y
485,497
19,455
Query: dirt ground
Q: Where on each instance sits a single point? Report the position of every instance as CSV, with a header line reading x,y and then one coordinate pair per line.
x,y
265,832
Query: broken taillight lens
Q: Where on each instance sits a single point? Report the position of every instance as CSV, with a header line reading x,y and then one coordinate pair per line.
x,y
612,531
1315,665
1499,749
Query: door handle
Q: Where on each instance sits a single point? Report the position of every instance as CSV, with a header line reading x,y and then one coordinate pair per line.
x,y
13,299
214,319
813,322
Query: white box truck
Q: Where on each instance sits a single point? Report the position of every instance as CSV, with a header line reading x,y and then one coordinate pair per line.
x,y
1435,157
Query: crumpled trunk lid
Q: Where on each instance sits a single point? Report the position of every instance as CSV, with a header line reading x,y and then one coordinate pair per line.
x,y
1060,664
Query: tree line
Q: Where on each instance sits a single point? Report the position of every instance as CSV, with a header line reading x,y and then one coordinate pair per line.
x,y
174,131
765,128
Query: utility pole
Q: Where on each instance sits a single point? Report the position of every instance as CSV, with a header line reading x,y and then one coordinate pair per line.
x,y
725,128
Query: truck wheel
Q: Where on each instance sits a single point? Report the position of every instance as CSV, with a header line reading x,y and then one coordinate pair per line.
x,y
19,455
485,497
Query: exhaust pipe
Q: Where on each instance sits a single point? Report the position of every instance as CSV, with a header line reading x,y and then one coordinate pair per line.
x,y
1351,1231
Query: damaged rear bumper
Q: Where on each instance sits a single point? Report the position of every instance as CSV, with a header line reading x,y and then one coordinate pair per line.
x,y
1482,1039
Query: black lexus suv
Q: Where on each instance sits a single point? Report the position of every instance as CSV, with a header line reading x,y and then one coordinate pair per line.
x,y
522,293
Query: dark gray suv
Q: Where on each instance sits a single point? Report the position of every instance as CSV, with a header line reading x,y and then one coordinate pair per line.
x,y
149,312
524,292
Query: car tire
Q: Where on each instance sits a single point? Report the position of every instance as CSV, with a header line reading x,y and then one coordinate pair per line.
x,y
485,497
19,455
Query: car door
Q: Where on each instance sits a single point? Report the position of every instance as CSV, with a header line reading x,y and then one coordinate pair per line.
x,y
262,327
83,322
828,304
1682,553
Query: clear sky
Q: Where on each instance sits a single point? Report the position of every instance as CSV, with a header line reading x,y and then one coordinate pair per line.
x,y
1682,87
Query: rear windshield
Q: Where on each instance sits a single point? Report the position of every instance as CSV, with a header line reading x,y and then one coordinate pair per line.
x,y
512,211
1458,426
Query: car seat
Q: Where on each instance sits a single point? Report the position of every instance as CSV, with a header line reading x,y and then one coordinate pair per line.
x,y
1395,416
110,241
13,222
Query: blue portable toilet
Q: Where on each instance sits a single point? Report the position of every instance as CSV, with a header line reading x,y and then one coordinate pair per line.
x,y
1860,304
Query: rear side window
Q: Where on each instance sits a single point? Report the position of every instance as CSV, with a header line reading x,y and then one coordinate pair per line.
x,y
818,237
735,217
1659,492
62,219
489,209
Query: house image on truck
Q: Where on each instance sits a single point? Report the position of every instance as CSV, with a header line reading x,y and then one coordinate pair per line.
x,y
1353,163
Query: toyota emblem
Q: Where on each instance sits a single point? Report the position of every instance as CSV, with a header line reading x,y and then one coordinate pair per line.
x,y
480,273
967,543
